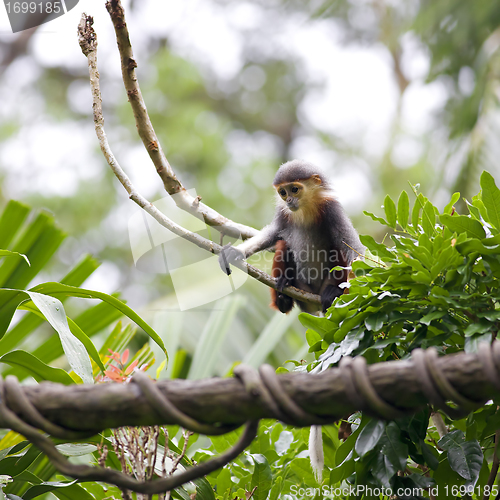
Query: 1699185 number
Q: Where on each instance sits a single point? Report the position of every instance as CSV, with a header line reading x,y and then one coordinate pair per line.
x,y
33,7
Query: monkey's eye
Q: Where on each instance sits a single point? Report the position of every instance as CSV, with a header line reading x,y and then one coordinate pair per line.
x,y
295,189
282,192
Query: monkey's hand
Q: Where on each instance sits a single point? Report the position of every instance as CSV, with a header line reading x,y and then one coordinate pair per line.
x,y
330,293
229,255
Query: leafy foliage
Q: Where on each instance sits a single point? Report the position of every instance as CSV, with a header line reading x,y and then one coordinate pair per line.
x,y
27,347
436,285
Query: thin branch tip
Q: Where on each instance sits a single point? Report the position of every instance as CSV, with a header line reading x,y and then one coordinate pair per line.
x,y
87,37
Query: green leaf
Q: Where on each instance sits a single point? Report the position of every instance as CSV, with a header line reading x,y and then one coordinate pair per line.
x,y
75,351
369,436
448,208
76,449
39,241
403,209
393,448
262,477
390,211
53,311
428,318
465,457
8,253
463,224
34,367
62,490
383,470
428,219
482,326
320,325
375,321
375,218
224,482
427,452
303,470
276,489
312,337
378,249
31,321
9,302
12,218
53,289
490,195
89,346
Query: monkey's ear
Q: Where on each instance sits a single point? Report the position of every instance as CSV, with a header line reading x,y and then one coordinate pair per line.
x,y
316,179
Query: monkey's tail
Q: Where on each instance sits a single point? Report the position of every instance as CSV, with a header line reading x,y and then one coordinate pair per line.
x,y
316,452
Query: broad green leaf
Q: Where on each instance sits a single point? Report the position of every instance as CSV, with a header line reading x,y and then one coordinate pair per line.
x,y
39,241
377,249
448,208
403,209
75,351
465,457
8,253
89,346
375,218
30,322
9,302
64,490
54,289
12,218
490,195
341,472
428,219
203,490
383,470
34,367
262,477
312,337
428,318
15,465
375,321
303,470
275,493
91,321
462,224
481,326
76,449
393,447
224,482
369,436
429,455
315,323
390,211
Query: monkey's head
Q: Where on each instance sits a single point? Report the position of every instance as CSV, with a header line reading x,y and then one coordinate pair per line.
x,y
301,187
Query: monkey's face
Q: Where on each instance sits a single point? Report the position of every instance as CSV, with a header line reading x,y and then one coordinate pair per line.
x,y
291,194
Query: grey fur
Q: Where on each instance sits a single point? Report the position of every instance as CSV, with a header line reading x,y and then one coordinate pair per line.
x,y
298,170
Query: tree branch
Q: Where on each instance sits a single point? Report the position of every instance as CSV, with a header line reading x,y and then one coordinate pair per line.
x,y
88,43
150,140
226,401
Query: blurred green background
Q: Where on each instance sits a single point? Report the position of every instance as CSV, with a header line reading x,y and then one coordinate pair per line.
x,y
379,93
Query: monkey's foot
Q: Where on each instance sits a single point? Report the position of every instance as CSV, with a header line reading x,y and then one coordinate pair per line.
x,y
329,294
